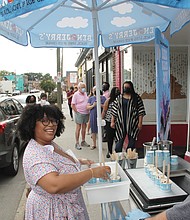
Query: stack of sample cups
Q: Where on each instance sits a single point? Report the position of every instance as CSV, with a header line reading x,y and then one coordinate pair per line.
x,y
159,155
166,156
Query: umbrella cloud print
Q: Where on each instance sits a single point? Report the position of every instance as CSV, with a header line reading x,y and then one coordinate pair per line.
x,y
70,24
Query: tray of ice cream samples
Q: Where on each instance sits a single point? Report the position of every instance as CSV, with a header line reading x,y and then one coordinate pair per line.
x,y
151,191
115,189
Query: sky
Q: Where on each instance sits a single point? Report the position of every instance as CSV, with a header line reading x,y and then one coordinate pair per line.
x,y
21,59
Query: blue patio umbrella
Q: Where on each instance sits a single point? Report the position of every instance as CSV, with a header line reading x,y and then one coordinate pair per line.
x,y
172,3
84,23
69,23
13,8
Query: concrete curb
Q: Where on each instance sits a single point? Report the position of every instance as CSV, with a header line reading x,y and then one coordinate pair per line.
x,y
20,211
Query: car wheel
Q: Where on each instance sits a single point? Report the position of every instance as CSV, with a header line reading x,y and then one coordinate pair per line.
x,y
12,169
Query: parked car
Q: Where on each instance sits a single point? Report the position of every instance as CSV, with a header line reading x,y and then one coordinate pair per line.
x,y
22,98
10,142
16,92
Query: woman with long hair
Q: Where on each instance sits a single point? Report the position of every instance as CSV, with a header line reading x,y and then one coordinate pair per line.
x,y
127,116
106,114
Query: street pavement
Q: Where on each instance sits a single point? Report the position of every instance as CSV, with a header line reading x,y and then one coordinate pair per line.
x,y
67,141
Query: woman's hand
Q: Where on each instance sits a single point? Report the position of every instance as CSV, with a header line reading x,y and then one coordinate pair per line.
x,y
112,125
140,126
86,162
101,172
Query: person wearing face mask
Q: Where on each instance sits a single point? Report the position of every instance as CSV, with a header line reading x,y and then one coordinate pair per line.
x,y
106,114
127,117
78,104
43,99
105,89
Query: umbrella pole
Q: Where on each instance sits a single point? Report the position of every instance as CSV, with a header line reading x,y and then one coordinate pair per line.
x,y
97,77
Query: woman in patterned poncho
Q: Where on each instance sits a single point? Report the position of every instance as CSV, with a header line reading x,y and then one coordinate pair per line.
x,y
127,116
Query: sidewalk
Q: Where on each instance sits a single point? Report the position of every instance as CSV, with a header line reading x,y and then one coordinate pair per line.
x,y
67,141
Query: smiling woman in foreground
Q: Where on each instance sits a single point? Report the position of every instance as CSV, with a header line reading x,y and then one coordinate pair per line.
x,y
53,175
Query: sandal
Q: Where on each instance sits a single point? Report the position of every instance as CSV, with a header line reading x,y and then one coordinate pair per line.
x,y
93,147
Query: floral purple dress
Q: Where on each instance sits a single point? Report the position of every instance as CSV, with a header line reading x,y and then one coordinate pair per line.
x,y
38,161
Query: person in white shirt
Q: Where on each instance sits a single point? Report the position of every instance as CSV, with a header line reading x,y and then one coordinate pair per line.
x,y
43,99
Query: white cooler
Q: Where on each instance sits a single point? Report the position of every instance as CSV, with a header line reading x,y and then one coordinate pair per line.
x,y
108,192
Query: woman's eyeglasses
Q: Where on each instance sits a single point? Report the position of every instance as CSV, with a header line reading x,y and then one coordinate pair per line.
x,y
46,121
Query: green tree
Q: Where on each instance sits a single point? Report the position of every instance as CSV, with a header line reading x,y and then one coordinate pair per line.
x,y
48,85
5,73
34,76
47,76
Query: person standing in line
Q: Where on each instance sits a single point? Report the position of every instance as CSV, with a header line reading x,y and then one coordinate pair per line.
x,y
106,114
105,89
127,117
69,98
54,176
43,99
92,106
90,94
78,104
30,99
106,94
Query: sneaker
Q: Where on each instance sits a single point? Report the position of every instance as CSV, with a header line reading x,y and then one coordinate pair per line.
x,y
78,147
84,144
93,147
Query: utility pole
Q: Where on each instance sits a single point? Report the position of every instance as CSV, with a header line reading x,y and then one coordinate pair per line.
x,y
59,77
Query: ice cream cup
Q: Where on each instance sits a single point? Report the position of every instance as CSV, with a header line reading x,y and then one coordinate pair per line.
x,y
114,180
150,168
154,175
157,179
174,160
146,169
101,180
152,172
166,187
92,180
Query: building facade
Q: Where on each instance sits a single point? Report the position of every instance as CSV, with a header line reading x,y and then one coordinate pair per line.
x,y
137,63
